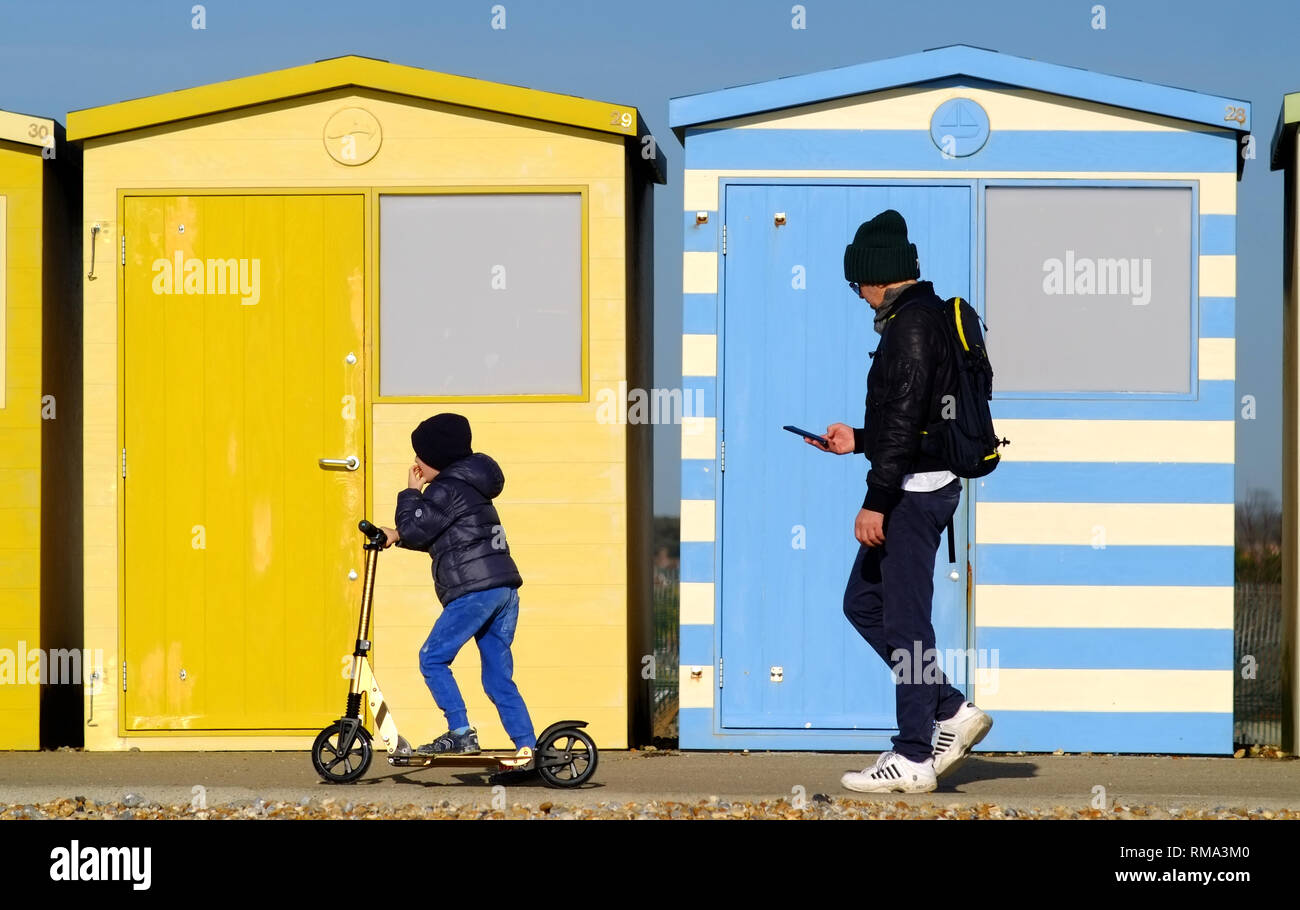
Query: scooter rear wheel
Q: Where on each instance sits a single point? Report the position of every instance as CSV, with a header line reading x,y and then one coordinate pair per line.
x,y
332,764
566,758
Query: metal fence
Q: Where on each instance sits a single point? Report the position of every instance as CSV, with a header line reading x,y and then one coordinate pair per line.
x,y
663,702
1257,651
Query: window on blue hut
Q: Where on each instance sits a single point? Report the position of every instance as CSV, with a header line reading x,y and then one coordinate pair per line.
x,y
1089,290
480,294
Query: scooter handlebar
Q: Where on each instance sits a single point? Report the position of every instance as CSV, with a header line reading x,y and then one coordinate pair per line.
x,y
373,533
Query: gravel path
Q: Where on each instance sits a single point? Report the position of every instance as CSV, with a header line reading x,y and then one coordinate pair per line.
x,y
816,807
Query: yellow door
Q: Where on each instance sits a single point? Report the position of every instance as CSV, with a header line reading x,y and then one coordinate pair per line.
x,y
242,369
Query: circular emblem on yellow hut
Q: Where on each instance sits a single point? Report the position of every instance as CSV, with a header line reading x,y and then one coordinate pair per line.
x,y
352,136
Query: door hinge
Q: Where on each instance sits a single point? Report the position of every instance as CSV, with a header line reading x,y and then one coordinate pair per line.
x,y
124,248
719,672
724,240
722,460
124,461
123,676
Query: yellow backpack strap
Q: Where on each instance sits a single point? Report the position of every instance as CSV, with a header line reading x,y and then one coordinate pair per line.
x,y
956,313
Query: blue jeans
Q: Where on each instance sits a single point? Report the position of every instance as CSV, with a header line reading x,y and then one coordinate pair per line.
x,y
888,600
489,617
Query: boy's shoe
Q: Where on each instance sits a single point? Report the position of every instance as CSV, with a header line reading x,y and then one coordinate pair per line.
x,y
452,743
522,758
893,774
956,736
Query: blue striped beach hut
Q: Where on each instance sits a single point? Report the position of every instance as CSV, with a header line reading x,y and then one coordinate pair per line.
x,y
1091,220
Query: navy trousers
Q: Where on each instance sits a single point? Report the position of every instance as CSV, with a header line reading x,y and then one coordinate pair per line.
x,y
888,600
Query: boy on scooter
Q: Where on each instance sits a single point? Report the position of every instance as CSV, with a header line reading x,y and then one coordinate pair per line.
x,y
446,510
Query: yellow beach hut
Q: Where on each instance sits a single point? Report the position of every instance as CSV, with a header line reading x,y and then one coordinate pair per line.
x,y
292,270
41,664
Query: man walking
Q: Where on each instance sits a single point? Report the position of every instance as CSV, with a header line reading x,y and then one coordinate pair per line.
x,y
910,498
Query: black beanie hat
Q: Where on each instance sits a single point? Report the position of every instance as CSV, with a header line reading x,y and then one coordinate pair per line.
x,y
441,439
880,253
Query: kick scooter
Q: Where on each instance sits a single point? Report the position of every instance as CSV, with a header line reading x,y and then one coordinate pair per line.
x,y
565,756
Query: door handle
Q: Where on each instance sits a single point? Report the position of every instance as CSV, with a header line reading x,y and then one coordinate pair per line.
x,y
351,462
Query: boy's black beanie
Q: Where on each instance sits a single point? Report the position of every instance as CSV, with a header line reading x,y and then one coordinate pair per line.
x,y
441,439
880,252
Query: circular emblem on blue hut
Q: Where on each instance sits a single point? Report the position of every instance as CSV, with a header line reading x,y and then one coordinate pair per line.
x,y
959,127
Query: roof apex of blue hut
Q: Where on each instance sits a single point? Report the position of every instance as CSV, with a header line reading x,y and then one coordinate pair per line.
x,y
957,60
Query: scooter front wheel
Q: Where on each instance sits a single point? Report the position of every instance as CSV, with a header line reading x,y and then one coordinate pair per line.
x,y
566,758
334,765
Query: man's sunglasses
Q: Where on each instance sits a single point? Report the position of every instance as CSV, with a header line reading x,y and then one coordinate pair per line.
x,y
855,288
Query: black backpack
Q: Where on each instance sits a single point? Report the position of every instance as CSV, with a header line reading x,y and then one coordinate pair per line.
x,y
964,439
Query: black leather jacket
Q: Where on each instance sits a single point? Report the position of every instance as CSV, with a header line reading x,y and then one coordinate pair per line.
x,y
910,373
455,522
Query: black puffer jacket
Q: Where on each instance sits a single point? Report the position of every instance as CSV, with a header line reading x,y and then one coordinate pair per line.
x,y
910,373
455,522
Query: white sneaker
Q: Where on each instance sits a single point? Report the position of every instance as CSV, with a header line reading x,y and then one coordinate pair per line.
x,y
893,774
956,736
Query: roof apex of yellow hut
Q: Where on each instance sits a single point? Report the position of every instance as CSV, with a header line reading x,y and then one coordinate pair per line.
x,y
353,71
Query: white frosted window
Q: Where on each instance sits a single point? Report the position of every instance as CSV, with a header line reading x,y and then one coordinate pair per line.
x,y
1088,290
480,294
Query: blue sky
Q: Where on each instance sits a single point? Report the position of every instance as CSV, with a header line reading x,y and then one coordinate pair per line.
x,y
63,55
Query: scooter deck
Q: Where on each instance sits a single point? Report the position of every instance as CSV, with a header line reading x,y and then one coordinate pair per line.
x,y
481,760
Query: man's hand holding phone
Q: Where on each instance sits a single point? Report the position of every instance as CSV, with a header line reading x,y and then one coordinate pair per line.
x,y
839,437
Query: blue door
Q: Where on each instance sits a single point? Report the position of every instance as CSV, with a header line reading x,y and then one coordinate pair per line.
x,y
795,351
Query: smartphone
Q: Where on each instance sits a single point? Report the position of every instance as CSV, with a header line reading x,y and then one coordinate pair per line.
x,y
813,436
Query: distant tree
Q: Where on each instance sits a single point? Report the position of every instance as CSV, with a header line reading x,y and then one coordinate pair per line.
x,y
1259,538
667,534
